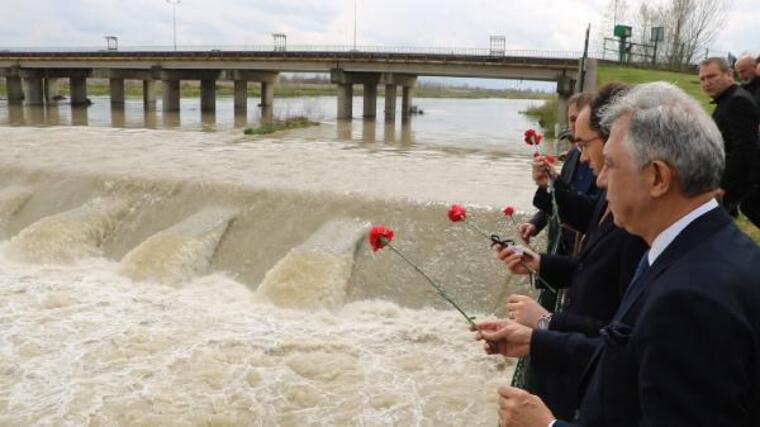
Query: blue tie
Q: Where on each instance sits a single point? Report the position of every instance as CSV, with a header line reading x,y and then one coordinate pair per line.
x,y
635,283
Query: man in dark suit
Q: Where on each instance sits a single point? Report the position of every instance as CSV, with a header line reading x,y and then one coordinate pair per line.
x,y
576,174
738,118
596,278
683,349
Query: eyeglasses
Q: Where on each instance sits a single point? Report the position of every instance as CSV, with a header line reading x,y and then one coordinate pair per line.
x,y
583,143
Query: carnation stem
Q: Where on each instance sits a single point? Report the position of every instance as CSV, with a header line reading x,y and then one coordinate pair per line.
x,y
438,289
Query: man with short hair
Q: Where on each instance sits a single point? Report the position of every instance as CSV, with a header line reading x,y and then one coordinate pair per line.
x,y
576,174
738,117
683,349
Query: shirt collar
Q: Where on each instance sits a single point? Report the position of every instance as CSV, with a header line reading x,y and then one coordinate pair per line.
x,y
666,237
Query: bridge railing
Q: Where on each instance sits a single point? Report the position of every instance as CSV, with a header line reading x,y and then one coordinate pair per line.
x,y
427,50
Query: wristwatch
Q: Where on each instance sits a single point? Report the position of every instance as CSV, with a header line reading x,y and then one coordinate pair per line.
x,y
543,321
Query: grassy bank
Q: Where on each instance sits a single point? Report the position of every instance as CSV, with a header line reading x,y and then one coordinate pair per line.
x,y
689,83
133,89
278,125
546,115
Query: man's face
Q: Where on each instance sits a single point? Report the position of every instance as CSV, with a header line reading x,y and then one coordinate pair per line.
x,y
627,185
745,68
714,81
572,117
589,141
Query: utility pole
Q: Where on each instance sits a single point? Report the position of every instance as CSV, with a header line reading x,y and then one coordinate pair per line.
x,y
174,4
354,24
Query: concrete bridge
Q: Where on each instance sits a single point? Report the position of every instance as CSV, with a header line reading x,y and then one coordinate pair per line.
x,y
31,76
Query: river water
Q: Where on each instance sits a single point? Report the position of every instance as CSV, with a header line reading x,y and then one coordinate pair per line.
x,y
155,276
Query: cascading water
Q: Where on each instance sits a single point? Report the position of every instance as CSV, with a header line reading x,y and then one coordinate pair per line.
x,y
169,278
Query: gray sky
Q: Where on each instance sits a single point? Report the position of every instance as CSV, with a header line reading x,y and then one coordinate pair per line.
x,y
535,24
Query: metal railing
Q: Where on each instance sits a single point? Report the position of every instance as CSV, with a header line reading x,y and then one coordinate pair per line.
x,y
426,50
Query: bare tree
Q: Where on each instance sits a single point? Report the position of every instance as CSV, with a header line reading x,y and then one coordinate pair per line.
x,y
691,25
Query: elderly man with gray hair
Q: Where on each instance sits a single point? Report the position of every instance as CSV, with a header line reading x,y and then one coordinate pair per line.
x,y
683,348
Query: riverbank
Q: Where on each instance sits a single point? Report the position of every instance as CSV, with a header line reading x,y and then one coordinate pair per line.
x,y
134,89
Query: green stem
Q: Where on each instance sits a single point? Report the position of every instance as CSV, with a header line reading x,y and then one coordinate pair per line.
x,y
438,289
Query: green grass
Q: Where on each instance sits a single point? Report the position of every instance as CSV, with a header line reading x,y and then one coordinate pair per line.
x,y
690,84
278,125
546,114
134,89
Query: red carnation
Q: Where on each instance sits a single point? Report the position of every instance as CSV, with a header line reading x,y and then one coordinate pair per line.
x,y
379,237
508,211
532,137
457,213
551,160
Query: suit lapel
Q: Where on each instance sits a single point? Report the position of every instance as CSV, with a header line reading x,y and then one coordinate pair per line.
x,y
700,229
596,231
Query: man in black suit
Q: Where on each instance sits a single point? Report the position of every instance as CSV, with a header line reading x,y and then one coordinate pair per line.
x,y
738,117
683,349
596,278
576,174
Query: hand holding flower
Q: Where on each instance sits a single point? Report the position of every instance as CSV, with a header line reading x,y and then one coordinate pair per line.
x,y
520,260
505,337
527,231
525,310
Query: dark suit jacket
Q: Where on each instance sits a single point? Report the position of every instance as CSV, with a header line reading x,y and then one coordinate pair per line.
x,y
753,87
580,178
684,348
575,208
599,276
738,117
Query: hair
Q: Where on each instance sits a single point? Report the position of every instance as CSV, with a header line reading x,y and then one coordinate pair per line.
x,y
724,66
580,100
603,98
670,126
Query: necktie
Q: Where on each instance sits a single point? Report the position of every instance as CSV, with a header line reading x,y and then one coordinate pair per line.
x,y
641,270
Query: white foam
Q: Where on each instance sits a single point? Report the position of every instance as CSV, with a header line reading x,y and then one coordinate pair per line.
x,y
180,252
82,345
70,235
316,273
12,198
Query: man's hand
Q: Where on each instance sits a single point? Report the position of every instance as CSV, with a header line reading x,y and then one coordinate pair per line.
x,y
505,337
524,310
527,230
518,408
520,260
542,171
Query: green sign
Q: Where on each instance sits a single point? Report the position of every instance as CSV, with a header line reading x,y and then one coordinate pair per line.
x,y
658,34
623,31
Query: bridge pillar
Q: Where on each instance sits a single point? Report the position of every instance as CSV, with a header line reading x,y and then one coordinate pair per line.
x,y
50,89
208,95
170,97
370,100
116,90
241,97
33,93
406,103
149,95
15,90
390,103
267,94
565,88
78,89
345,100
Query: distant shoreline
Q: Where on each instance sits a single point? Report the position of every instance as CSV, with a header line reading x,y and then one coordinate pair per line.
x,y
133,89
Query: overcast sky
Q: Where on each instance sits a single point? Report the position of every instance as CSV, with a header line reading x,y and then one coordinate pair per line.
x,y
534,24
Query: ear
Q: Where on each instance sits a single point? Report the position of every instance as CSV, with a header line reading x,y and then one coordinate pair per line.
x,y
661,178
